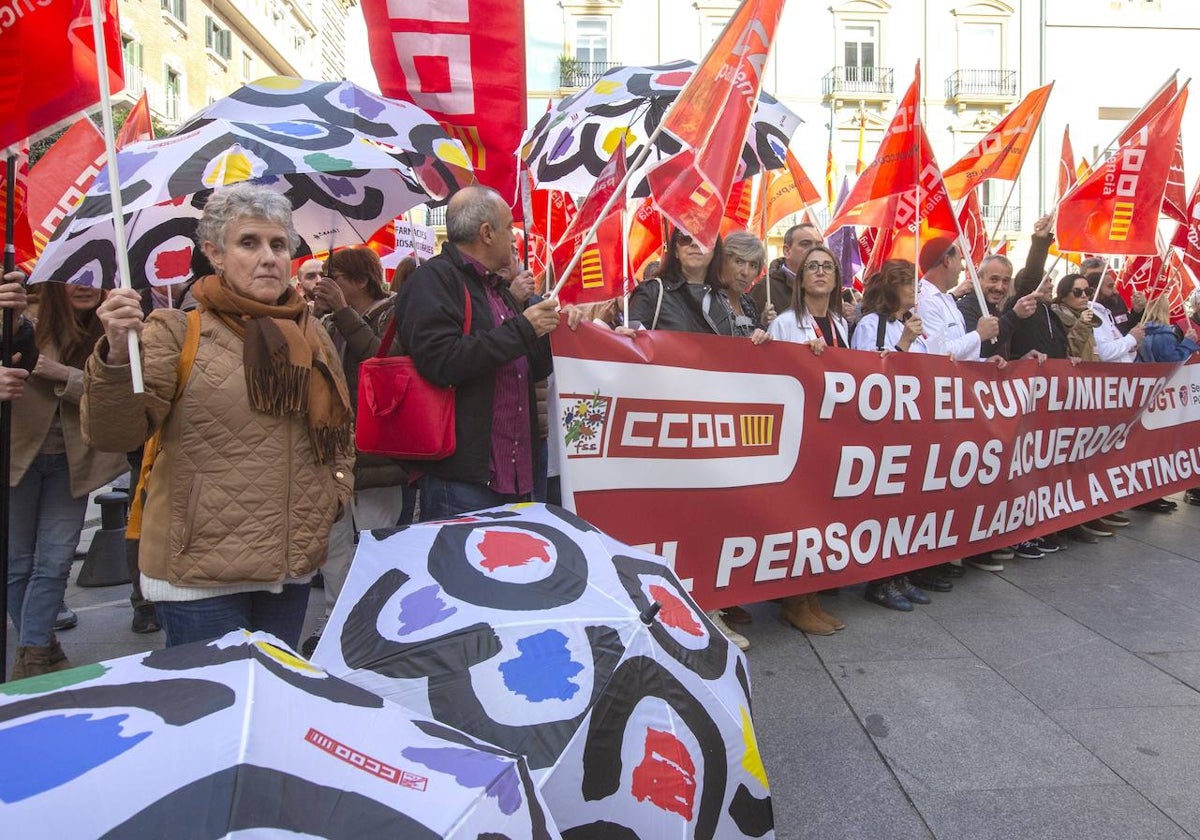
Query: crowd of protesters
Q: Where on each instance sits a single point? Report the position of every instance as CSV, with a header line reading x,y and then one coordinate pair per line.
x,y
251,491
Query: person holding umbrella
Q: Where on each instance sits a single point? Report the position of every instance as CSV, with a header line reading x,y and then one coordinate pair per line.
x,y
53,471
256,464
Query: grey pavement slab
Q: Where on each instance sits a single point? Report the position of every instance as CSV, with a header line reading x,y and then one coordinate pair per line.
x,y
955,725
1157,754
1183,665
1060,664
1097,812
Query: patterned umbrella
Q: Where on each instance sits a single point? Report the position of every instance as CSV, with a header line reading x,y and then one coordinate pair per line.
x,y
528,628
343,186
571,143
241,735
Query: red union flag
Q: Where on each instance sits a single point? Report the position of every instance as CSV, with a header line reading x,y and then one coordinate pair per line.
x,y
63,175
645,236
902,187
48,64
1187,237
1066,165
1002,150
787,191
710,119
970,222
462,61
1115,209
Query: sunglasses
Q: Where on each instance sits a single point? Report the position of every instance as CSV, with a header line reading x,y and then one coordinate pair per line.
x,y
1079,292
813,265
683,239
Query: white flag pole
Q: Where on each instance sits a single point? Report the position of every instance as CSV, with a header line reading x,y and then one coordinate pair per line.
x,y
114,183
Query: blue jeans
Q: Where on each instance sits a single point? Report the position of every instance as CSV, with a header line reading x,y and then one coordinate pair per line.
x,y
281,615
44,523
442,499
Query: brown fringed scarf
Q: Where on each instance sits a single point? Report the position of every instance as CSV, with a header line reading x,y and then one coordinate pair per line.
x,y
282,347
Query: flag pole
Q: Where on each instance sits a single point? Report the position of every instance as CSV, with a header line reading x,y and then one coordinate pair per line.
x,y
114,183
6,353
1004,209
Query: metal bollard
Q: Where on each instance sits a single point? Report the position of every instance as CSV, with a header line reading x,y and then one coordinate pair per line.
x,y
105,564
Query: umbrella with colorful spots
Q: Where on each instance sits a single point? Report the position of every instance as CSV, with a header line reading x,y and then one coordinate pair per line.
x,y
526,627
344,186
241,737
568,147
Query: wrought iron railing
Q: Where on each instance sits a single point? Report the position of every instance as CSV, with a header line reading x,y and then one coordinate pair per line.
x,y
435,216
850,80
993,83
580,74
1010,220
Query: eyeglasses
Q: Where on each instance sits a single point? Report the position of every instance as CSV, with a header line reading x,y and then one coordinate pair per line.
x,y
813,265
1079,292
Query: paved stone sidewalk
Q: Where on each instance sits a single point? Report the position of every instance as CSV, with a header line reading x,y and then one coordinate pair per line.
x,y
1058,699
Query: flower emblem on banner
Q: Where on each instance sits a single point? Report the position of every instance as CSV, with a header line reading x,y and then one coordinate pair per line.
x,y
585,421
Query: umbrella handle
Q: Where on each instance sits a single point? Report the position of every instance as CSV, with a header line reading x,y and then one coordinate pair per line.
x,y
647,615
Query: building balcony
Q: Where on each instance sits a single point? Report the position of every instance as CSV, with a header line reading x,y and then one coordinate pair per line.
x,y
1009,218
135,81
858,84
581,74
981,87
435,216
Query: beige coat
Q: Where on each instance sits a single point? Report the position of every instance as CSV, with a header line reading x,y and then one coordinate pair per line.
x,y
32,415
235,496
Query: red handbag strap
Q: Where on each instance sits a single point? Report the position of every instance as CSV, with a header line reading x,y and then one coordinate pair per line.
x,y
389,334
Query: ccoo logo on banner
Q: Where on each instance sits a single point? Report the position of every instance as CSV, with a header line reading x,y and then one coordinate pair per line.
x,y
650,421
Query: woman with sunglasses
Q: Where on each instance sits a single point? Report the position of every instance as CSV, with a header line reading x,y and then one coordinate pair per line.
x,y
815,315
1072,305
674,299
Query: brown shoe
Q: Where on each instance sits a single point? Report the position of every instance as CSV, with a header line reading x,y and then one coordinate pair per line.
x,y
19,669
798,612
736,615
832,620
45,660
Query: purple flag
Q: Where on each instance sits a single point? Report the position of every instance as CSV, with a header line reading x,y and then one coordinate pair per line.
x,y
844,242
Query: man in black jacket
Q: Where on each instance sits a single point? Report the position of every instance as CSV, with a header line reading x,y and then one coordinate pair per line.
x,y
995,278
493,362
1125,318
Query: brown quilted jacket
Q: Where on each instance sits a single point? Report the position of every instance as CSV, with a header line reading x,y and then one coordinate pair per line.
x,y
235,496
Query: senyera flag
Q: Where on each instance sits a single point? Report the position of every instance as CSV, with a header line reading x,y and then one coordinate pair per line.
x,y
1115,209
48,65
710,119
463,62
901,192
1002,150
595,279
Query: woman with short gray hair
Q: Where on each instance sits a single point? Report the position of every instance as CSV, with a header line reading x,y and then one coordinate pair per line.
x,y
250,472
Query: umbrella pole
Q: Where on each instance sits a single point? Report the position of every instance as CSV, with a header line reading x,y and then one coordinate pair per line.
x,y
6,353
114,182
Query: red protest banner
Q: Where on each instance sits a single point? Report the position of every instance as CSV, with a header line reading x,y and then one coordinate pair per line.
x,y
48,64
462,61
763,474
